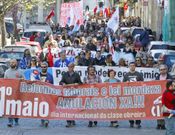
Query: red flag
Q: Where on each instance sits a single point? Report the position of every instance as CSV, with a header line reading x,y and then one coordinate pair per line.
x,y
95,10
50,57
52,13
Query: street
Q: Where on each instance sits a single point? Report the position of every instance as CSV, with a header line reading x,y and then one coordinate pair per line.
x,y
31,127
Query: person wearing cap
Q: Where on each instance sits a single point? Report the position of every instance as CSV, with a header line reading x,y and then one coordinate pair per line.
x,y
70,78
133,76
162,76
168,102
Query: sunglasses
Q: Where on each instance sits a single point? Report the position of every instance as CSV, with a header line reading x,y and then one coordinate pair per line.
x,y
44,67
163,69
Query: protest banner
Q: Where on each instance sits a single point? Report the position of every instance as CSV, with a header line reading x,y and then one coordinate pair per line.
x,y
148,73
70,13
104,101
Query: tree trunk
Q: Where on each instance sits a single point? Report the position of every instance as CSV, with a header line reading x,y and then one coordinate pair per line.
x,y
2,31
15,18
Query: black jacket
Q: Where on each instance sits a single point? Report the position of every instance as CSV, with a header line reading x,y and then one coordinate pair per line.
x,y
70,79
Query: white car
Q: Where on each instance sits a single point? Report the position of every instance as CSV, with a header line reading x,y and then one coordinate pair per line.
x,y
19,48
156,48
28,33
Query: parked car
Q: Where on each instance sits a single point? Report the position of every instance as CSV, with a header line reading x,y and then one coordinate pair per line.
x,y
28,33
19,48
43,29
3,68
35,46
6,56
156,48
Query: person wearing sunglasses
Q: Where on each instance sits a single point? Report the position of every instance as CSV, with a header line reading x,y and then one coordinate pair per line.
x,y
42,76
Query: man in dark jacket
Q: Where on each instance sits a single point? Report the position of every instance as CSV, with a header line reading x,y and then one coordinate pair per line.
x,y
87,60
70,78
133,76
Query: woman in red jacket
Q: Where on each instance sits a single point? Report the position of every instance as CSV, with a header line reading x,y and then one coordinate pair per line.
x,y
168,101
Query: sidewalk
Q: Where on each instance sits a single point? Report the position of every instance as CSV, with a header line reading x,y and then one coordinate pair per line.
x,y
31,127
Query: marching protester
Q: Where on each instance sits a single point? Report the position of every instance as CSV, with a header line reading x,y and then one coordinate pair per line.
x,y
162,76
13,73
168,103
92,78
133,76
70,78
95,42
42,76
112,79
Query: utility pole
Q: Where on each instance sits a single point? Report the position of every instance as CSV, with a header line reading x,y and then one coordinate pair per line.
x,y
172,20
58,10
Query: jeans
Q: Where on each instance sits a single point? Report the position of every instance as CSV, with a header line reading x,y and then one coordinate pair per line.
x,y
170,122
137,122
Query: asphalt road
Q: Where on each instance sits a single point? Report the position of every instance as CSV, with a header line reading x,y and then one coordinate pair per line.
x,y
32,127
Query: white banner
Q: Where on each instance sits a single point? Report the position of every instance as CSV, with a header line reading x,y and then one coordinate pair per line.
x,y
148,73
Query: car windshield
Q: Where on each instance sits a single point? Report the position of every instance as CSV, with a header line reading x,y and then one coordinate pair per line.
x,y
163,47
29,34
11,55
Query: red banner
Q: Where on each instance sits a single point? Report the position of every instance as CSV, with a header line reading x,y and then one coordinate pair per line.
x,y
105,101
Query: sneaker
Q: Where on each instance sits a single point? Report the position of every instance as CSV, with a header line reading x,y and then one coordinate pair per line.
x,y
163,127
158,126
95,123
69,125
9,124
16,124
46,123
139,126
90,124
131,125
116,125
73,123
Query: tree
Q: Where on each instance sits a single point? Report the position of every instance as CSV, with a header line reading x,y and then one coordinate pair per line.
x,y
6,5
13,7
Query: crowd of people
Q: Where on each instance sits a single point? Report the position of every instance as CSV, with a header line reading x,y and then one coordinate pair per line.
x,y
92,36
